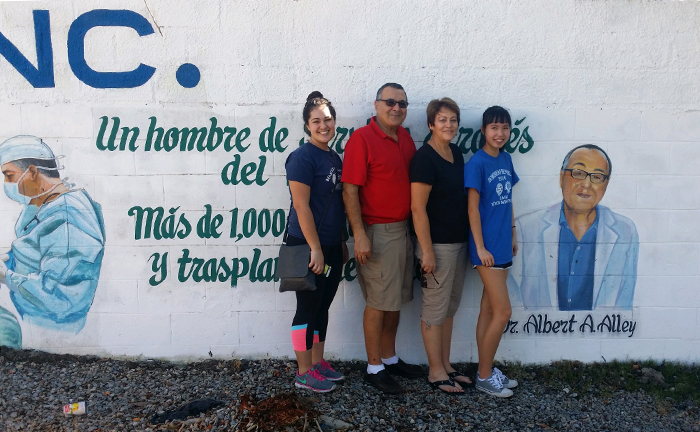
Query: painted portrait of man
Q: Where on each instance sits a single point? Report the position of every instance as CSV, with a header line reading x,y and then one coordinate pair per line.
x,y
577,254
53,266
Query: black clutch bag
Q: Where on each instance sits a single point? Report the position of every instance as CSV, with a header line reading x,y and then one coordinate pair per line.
x,y
293,269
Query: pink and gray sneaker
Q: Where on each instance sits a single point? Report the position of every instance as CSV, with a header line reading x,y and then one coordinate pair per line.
x,y
325,369
314,381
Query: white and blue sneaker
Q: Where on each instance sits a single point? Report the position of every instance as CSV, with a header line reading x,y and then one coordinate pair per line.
x,y
492,386
507,383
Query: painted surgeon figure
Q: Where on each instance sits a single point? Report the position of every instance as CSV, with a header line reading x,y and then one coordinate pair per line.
x,y
54,264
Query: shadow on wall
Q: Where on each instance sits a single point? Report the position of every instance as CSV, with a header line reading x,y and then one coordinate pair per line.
x,y
53,266
576,254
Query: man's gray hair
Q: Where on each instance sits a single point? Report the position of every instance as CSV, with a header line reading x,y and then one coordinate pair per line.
x,y
589,147
48,167
392,85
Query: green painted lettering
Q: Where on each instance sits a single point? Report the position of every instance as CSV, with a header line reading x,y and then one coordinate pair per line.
x,y
278,223
247,170
149,136
159,267
224,270
261,168
528,139
144,230
234,225
266,271
231,131
171,138
125,136
243,134
266,139
214,131
196,135
99,143
210,270
197,264
230,173
183,261
464,134
280,136
208,225
252,275
240,268
514,135
349,273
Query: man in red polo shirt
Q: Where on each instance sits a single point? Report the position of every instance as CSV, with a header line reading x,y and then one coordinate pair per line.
x,y
377,195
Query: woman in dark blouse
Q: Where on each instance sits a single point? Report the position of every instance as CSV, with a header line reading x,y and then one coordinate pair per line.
x,y
439,208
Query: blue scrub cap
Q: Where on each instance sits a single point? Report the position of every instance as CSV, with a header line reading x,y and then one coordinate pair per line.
x,y
23,147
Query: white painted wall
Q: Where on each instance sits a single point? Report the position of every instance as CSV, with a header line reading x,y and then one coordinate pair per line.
x,y
620,74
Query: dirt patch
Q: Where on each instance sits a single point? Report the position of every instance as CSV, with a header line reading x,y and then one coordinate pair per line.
x,y
275,413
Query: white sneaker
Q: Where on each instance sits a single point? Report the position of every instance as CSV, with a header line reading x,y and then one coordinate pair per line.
x,y
492,385
507,383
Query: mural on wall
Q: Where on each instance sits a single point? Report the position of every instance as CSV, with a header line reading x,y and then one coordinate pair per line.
x,y
53,266
163,223
576,255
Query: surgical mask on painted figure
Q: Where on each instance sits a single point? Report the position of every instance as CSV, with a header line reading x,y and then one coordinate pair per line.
x,y
13,193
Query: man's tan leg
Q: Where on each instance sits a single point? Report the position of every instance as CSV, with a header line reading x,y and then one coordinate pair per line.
x,y
372,322
389,328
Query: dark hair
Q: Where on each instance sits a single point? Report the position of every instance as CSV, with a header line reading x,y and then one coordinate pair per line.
x,y
494,114
313,100
435,105
392,85
46,166
588,147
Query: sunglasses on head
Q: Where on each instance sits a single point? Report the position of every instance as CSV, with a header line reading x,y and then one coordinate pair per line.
x,y
391,102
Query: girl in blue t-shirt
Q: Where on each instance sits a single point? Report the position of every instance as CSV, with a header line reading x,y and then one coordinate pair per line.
x,y
489,178
316,218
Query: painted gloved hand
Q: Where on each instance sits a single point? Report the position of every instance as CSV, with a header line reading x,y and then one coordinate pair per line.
x,y
3,267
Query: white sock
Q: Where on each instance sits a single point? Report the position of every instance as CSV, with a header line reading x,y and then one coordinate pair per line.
x,y
391,360
374,369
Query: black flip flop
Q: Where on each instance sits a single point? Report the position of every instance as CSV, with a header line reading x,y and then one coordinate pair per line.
x,y
455,374
448,382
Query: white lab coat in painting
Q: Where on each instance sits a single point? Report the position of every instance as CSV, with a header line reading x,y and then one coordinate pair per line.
x,y
532,282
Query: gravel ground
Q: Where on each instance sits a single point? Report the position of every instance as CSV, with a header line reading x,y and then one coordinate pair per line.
x,y
125,395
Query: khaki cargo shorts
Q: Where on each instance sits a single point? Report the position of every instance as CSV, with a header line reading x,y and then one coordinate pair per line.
x,y
387,278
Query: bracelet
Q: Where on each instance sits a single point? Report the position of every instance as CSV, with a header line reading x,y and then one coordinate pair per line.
x,y
513,226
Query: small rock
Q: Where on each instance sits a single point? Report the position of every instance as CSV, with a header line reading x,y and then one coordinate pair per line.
x,y
334,423
652,376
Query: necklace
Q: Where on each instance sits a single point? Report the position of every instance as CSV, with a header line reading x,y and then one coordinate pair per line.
x,y
445,153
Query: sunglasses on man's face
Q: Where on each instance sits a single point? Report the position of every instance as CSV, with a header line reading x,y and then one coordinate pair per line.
x,y
391,102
